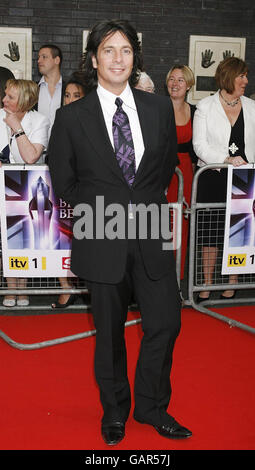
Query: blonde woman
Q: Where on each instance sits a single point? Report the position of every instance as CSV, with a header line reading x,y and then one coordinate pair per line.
x,y
179,80
23,138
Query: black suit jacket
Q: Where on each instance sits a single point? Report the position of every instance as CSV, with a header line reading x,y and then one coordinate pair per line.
x,y
83,166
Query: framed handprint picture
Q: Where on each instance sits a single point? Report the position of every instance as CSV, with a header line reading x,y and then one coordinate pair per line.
x,y
205,53
16,51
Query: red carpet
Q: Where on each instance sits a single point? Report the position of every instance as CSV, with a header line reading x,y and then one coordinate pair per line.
x,y
49,399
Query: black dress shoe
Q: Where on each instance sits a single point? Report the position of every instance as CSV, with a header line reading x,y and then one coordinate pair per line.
x,y
173,431
113,433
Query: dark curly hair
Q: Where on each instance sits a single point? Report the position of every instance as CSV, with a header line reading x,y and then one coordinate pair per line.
x,y
98,33
5,74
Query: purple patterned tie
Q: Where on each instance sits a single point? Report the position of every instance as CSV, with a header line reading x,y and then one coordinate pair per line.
x,y
123,142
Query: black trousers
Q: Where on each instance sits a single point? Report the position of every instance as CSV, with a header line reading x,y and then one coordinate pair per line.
x,y
159,304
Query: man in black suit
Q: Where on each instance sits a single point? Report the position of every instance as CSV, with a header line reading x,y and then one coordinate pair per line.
x,y
88,172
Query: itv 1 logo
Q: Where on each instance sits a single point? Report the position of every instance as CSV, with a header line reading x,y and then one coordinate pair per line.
x,y
18,262
235,260
22,263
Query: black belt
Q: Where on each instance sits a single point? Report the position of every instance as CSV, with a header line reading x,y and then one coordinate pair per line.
x,y
184,148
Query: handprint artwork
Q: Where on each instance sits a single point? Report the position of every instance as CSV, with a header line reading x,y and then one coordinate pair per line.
x,y
13,51
205,54
16,51
227,54
206,59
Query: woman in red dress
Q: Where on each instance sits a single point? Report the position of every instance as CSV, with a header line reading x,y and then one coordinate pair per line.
x,y
179,80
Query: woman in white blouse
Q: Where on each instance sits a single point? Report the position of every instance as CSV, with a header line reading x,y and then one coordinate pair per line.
x,y
223,132
23,138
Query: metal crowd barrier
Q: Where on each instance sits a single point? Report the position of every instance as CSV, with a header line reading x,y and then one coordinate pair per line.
x,y
42,287
198,222
176,219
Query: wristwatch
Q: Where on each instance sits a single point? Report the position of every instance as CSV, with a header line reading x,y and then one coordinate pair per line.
x,y
18,133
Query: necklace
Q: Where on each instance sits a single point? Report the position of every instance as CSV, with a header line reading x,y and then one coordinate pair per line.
x,y
230,103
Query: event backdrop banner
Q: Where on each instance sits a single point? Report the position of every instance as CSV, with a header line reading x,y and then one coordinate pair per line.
x,y
36,227
239,237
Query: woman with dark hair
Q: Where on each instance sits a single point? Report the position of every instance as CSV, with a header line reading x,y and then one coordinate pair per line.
x,y
95,38
5,74
74,90
223,132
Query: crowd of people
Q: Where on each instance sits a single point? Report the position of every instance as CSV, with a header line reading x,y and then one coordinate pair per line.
x,y
201,140
80,118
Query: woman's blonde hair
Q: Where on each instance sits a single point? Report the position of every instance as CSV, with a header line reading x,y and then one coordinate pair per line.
x,y
188,75
28,93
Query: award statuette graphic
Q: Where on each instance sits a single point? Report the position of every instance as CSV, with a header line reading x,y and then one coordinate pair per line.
x,y
36,226
40,210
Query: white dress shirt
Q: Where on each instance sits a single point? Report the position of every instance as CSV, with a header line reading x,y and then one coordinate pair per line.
x,y
47,104
107,101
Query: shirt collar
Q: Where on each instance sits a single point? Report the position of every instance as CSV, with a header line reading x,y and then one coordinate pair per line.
x,y
44,81
109,98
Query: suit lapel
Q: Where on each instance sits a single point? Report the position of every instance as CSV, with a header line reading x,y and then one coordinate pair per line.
x,y
92,120
148,121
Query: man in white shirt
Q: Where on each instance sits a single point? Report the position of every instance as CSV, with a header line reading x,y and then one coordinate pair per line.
x,y
118,144
51,84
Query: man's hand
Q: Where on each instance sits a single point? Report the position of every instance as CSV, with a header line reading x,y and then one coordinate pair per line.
x,y
14,52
